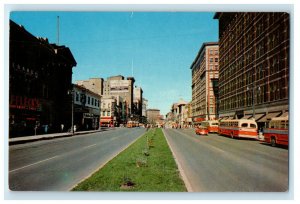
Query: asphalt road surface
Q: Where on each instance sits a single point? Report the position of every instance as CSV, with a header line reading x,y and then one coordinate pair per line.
x,y
220,164
59,164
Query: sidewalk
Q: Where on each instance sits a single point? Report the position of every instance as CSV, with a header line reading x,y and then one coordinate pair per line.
x,y
25,139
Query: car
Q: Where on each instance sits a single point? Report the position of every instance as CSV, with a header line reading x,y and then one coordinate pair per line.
x,y
201,130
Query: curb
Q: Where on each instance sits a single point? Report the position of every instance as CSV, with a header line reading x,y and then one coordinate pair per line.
x,y
183,176
109,159
22,140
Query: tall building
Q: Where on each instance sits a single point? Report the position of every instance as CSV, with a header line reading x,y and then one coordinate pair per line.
x,y
144,108
119,86
254,65
138,101
40,76
93,84
153,116
205,74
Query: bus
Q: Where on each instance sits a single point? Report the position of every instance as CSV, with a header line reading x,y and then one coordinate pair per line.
x,y
131,124
277,131
238,128
209,126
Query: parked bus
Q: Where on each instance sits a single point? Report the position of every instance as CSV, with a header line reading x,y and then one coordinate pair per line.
x,y
277,131
238,128
207,127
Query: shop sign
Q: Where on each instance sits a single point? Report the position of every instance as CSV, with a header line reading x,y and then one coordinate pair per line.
x,y
88,115
23,102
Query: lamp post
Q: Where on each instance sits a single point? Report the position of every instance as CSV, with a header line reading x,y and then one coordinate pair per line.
x,y
253,97
71,92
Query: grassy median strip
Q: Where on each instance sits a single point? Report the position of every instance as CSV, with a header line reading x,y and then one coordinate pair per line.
x,y
147,165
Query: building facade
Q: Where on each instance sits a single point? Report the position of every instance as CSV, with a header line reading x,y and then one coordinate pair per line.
x,y
254,65
86,108
93,84
138,101
205,74
153,116
119,86
40,76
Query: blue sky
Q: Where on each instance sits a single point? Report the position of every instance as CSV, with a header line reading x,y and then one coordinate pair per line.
x,y
160,46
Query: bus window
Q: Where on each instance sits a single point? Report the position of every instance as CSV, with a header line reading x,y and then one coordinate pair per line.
x,y
244,125
252,125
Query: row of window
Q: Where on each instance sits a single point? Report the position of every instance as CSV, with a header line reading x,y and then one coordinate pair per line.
x,y
86,99
105,113
275,91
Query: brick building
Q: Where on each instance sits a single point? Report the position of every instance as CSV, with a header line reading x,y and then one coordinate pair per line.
x,y
254,65
40,75
205,74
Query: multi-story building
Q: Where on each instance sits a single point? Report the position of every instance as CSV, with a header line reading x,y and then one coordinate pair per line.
x,y
137,101
111,111
153,116
93,84
40,76
205,74
254,65
86,108
144,108
119,86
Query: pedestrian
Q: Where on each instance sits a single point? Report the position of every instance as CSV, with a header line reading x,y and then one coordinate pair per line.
x,y
62,127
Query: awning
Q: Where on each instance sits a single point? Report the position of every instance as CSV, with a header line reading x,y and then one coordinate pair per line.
x,y
246,117
285,114
105,120
268,117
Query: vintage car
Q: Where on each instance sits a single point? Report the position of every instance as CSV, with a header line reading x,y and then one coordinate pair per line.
x,y
201,130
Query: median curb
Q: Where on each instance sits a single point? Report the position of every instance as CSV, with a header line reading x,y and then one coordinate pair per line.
x,y
181,171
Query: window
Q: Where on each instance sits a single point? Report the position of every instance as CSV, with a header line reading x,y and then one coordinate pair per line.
x,y
211,59
216,59
108,113
244,125
103,113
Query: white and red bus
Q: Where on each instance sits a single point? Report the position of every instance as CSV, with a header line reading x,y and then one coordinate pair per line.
x,y
238,128
209,126
277,131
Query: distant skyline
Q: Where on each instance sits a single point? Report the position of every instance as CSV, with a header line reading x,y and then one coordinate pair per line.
x,y
158,48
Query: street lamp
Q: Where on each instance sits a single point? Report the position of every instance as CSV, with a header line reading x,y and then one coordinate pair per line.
x,y
253,97
71,92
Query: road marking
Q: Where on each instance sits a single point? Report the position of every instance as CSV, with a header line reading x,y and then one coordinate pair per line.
x,y
33,164
86,147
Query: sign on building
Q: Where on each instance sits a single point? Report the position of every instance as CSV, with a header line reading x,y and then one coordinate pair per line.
x,y
119,86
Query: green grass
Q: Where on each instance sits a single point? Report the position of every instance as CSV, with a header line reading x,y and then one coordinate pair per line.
x,y
158,171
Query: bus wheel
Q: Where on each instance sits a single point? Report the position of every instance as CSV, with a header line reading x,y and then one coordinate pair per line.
x,y
232,135
273,142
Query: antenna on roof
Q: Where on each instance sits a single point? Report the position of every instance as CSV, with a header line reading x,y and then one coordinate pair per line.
x,y
132,67
57,30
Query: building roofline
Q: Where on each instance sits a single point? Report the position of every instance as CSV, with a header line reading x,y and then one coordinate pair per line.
x,y
201,50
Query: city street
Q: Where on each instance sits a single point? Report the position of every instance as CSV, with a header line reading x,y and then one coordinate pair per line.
x,y
59,164
220,164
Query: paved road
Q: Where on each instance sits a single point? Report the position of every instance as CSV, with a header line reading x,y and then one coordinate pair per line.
x,y
219,164
59,164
